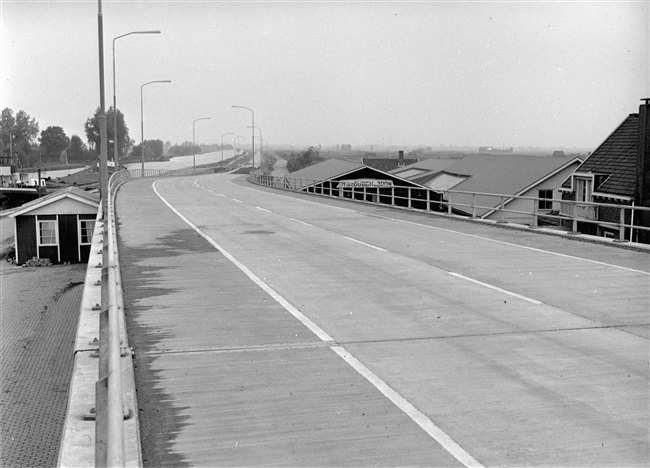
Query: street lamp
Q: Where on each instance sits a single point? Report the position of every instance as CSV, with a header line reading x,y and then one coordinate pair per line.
x,y
235,141
252,131
193,142
261,145
114,98
142,116
222,144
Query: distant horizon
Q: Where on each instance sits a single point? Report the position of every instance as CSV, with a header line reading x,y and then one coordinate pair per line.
x,y
468,73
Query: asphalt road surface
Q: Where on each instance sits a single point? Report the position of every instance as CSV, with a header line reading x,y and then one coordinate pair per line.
x,y
281,329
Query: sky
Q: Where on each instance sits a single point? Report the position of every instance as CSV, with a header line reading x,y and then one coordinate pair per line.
x,y
400,73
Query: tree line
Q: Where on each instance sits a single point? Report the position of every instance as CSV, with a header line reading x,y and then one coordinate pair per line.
x,y
24,145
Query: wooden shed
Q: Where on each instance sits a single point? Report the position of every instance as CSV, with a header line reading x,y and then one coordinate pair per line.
x,y
58,226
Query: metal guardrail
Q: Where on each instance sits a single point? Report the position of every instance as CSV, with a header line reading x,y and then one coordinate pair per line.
x,y
110,411
425,199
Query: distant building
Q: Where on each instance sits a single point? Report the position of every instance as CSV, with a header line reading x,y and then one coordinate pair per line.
x,y
495,150
617,172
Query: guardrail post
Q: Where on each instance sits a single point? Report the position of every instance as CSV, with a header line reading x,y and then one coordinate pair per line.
x,y
409,194
473,205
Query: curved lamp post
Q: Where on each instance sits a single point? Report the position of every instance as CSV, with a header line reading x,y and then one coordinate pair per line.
x,y
142,116
252,130
222,144
261,144
193,142
114,98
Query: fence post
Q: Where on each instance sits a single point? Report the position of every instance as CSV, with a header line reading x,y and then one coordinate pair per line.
x,y
574,219
473,205
502,215
621,229
535,215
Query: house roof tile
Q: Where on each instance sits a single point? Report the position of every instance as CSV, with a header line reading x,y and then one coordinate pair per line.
x,y
616,158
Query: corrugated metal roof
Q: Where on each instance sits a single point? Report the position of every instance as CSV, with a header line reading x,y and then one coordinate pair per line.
x,y
505,174
326,170
445,181
617,158
71,192
386,164
429,165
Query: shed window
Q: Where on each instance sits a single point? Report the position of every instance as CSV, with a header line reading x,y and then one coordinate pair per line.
x,y
47,233
545,201
87,226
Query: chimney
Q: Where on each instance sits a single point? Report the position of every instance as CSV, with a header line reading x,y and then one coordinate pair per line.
x,y
400,160
643,168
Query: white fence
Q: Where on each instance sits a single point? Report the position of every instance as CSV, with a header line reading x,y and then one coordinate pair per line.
x,y
419,198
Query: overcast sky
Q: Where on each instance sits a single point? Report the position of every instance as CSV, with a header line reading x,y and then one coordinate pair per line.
x,y
552,74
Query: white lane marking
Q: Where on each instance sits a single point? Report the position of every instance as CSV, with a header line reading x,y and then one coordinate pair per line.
x,y
295,312
364,243
457,232
262,209
510,293
238,201
301,222
417,416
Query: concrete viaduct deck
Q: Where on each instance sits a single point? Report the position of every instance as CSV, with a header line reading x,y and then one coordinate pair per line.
x,y
280,329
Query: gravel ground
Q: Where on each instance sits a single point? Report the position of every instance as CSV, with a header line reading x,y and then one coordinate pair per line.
x,y
39,309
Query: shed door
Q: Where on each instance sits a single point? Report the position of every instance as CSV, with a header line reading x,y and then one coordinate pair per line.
x,y
26,248
68,238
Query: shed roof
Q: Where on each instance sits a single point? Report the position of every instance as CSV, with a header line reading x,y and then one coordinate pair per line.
x,y
616,158
73,193
386,164
326,169
506,174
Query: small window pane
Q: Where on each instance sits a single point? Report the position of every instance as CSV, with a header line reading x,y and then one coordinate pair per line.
x,y
47,231
546,200
87,228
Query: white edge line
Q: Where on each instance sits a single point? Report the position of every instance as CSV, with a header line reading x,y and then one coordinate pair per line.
x,y
416,415
283,302
510,293
445,441
363,243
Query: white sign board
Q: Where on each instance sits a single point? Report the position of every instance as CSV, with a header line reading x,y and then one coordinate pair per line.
x,y
365,183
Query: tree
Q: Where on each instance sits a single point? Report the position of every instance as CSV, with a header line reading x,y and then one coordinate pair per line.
x,y
54,140
304,160
123,139
78,150
22,128
153,149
